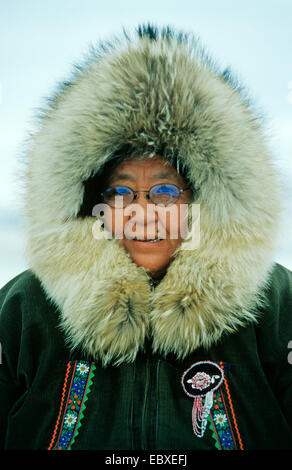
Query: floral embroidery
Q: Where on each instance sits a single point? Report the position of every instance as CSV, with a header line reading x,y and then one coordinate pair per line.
x,y
70,419
77,394
202,380
220,419
227,440
221,423
82,368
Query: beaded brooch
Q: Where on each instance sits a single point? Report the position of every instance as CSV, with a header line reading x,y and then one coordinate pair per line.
x,y
206,383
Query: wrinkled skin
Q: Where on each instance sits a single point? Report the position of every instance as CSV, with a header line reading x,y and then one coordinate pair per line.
x,y
141,175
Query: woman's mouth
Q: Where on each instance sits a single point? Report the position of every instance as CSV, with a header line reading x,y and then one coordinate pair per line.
x,y
142,241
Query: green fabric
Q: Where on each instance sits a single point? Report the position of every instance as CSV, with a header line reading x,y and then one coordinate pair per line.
x,y
141,405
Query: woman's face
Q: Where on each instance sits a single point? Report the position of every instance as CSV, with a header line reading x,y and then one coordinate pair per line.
x,y
141,175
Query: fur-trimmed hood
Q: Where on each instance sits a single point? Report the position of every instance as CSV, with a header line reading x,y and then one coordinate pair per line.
x,y
157,92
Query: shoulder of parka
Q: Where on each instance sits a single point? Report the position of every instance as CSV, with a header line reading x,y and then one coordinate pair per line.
x,y
28,327
21,297
274,329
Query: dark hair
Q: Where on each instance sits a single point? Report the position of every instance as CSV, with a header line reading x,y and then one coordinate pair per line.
x,y
95,185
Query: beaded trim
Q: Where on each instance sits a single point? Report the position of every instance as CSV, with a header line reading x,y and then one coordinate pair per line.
x,y
222,420
77,383
220,424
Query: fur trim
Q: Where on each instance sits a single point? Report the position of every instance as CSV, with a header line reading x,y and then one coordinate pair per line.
x,y
155,95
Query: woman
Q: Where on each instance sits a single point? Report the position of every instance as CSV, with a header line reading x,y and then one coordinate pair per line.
x,y
125,336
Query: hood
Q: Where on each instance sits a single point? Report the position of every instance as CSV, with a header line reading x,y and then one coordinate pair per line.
x,y
156,92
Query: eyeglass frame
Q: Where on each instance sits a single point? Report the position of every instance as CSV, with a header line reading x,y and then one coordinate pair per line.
x,y
181,190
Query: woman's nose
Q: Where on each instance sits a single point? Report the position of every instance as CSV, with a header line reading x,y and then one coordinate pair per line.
x,y
141,197
142,209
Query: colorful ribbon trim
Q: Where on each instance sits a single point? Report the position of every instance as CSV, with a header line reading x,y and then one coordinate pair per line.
x,y
71,414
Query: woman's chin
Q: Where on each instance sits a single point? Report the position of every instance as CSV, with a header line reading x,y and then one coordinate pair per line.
x,y
153,256
155,264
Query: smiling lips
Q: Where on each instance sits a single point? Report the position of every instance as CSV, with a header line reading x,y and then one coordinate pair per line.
x,y
146,239
147,242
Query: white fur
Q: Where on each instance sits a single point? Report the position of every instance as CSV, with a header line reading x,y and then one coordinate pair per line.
x,y
200,118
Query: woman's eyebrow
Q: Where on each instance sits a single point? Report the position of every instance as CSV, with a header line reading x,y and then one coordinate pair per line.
x,y
165,174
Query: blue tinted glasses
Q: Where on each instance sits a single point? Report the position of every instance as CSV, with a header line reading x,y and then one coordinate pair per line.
x,y
122,196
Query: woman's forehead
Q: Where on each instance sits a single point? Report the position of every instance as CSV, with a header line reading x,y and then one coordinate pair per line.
x,y
154,167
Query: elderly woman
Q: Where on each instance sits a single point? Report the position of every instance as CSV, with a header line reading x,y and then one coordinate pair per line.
x,y
130,331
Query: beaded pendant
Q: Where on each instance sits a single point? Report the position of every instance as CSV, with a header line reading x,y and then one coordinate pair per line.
x,y
199,382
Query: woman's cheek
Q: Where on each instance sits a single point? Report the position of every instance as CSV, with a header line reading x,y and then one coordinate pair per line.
x,y
114,222
170,221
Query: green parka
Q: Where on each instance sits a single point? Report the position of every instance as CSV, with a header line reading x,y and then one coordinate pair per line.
x,y
141,406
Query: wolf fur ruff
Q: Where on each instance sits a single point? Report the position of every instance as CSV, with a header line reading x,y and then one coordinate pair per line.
x,y
155,92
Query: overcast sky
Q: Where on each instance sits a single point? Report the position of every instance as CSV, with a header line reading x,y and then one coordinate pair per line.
x,y
41,39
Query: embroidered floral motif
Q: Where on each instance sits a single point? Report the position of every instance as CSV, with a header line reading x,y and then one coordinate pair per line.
x,y
202,380
70,419
220,419
82,368
77,395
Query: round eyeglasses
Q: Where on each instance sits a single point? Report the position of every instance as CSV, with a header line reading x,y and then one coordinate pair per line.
x,y
122,196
